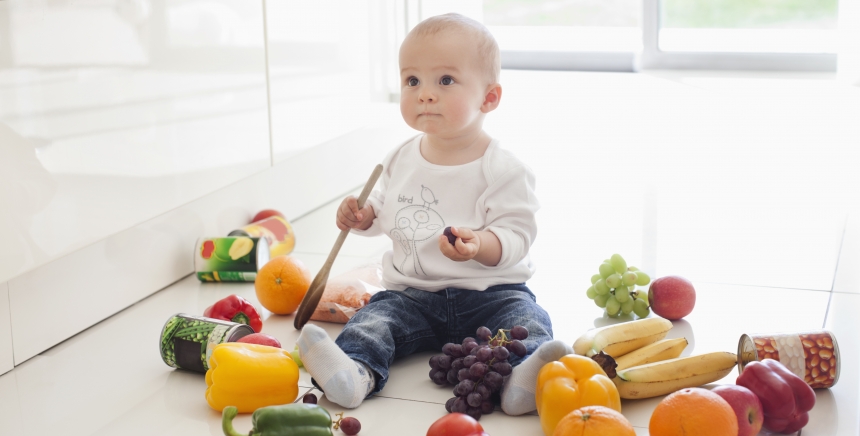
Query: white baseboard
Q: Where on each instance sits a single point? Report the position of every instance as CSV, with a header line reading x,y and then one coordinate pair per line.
x,y
66,296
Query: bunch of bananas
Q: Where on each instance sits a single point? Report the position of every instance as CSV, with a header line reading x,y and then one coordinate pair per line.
x,y
649,365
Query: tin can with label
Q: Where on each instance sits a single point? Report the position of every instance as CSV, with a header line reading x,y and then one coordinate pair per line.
x,y
232,259
276,230
187,341
812,355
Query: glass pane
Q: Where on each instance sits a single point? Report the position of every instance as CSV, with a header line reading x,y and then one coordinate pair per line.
x,y
571,25
603,13
759,14
763,26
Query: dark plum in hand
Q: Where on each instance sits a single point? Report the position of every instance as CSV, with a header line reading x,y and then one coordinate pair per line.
x,y
450,235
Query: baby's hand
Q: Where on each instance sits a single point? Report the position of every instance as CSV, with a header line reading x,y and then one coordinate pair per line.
x,y
464,248
350,217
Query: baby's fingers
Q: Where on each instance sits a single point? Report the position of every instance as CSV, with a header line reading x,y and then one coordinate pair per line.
x,y
466,250
463,233
352,205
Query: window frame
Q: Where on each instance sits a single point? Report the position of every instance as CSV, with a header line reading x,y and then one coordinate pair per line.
x,y
652,57
655,58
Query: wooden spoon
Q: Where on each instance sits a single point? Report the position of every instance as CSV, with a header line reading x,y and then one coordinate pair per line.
x,y
315,291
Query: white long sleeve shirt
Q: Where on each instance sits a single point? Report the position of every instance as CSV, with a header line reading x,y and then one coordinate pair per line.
x,y
418,199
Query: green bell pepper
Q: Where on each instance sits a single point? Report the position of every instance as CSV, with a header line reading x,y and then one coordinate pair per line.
x,y
285,420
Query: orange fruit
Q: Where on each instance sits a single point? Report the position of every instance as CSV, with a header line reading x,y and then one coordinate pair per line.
x,y
594,421
693,411
282,283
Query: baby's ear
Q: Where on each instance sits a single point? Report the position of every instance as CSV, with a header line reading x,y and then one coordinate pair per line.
x,y
492,97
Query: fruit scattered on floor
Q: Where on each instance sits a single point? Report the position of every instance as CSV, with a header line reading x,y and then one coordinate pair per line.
x,y
266,213
672,297
620,339
455,424
282,283
568,384
614,288
786,399
477,370
594,421
667,376
261,339
693,411
656,352
349,426
747,407
297,357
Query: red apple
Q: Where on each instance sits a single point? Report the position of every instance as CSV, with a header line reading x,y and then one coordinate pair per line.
x,y
672,297
266,213
746,405
260,338
455,424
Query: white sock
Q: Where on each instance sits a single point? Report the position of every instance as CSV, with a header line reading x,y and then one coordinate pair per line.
x,y
343,380
518,393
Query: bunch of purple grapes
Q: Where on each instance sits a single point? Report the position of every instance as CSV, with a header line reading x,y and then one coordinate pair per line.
x,y
477,369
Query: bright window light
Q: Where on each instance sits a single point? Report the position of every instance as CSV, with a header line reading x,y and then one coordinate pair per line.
x,y
565,25
743,26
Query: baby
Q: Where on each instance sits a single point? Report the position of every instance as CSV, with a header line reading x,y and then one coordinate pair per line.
x,y
453,175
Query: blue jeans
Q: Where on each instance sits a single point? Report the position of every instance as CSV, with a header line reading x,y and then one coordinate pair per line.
x,y
399,323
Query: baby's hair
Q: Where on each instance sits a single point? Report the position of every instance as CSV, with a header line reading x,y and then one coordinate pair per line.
x,y
488,49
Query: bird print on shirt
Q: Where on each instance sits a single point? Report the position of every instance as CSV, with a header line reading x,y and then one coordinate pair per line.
x,y
414,224
428,196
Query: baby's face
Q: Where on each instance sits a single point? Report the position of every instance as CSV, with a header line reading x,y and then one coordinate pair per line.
x,y
442,84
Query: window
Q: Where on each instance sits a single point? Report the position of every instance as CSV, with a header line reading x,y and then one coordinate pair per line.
x,y
566,34
763,26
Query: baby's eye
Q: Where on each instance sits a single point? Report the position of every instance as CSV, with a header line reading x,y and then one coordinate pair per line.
x,y
412,81
447,80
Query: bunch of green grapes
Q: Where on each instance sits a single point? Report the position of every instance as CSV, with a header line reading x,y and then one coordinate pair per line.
x,y
614,288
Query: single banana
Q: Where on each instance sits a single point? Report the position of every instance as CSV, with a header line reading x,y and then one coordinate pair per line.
x,y
656,352
661,378
619,339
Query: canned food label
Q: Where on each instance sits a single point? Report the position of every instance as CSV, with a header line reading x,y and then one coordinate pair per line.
x,y
789,351
230,259
187,341
275,230
226,276
812,356
216,337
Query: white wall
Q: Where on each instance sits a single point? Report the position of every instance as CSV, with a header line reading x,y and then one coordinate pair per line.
x,y
128,128
6,359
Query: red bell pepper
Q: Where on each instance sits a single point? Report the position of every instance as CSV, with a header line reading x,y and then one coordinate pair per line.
x,y
785,397
237,309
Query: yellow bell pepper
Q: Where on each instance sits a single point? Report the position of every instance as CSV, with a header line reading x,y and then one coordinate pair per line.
x,y
570,383
250,376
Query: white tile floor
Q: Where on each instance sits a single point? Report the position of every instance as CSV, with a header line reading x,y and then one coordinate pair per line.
x,y
767,250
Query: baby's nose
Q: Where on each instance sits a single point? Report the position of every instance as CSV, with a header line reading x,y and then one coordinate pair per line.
x,y
426,96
